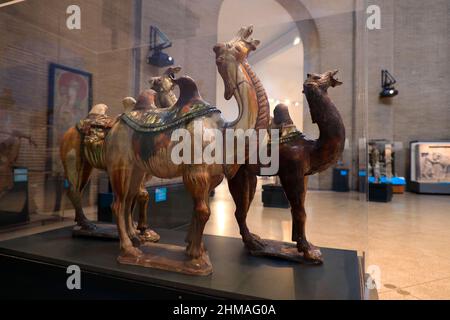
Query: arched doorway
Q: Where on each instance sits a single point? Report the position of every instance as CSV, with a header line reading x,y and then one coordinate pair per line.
x,y
279,60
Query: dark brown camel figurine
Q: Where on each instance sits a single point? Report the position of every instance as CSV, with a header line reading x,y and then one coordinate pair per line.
x,y
299,158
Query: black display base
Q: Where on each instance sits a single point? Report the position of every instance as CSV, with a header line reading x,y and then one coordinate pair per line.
x,y
429,188
14,203
340,180
273,196
380,192
35,267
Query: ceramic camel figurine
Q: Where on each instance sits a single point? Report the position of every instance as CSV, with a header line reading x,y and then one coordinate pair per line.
x,y
79,158
81,150
140,143
299,158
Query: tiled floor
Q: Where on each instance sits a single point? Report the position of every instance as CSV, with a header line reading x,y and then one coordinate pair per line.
x,y
406,242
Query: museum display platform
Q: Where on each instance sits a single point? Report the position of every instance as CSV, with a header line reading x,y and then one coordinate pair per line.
x,y
273,196
380,192
430,187
35,267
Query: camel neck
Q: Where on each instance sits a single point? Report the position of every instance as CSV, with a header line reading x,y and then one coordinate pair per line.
x,y
330,144
252,100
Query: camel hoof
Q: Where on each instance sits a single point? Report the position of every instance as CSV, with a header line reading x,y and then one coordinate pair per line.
x,y
149,236
312,254
130,252
254,242
87,225
195,252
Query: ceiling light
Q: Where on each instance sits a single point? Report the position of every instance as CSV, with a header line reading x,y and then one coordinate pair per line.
x,y
296,41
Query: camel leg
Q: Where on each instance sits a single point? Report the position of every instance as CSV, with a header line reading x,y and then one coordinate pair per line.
x,y
77,171
120,182
141,200
242,188
134,190
197,181
295,186
77,182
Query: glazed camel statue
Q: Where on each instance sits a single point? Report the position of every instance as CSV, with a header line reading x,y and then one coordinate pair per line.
x,y
79,159
299,158
140,143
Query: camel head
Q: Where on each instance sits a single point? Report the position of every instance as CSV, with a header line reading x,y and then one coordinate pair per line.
x,y
128,103
165,82
231,55
322,81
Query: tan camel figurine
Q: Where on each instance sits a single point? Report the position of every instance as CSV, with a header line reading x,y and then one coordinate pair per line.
x,y
140,143
81,150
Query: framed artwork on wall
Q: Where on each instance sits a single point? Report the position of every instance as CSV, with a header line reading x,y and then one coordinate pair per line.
x,y
69,100
430,167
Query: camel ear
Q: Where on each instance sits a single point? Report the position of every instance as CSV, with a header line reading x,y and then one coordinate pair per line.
x,y
245,32
253,44
152,81
173,70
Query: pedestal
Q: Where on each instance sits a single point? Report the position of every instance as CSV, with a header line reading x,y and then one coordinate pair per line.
x,y
430,187
273,196
340,180
380,192
35,267
14,202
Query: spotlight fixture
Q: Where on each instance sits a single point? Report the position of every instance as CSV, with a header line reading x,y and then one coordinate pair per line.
x,y
387,84
159,42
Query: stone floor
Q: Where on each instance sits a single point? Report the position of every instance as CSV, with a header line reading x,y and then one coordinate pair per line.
x,y
406,242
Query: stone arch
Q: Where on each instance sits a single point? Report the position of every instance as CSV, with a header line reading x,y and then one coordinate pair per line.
x,y
307,29
308,32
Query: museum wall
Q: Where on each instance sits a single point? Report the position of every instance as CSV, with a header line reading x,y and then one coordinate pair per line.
x,y
192,28
413,44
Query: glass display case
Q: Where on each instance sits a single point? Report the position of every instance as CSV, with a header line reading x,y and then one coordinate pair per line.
x,y
92,95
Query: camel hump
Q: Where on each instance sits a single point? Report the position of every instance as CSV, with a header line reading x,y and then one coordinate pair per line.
x,y
146,100
281,115
283,122
188,91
